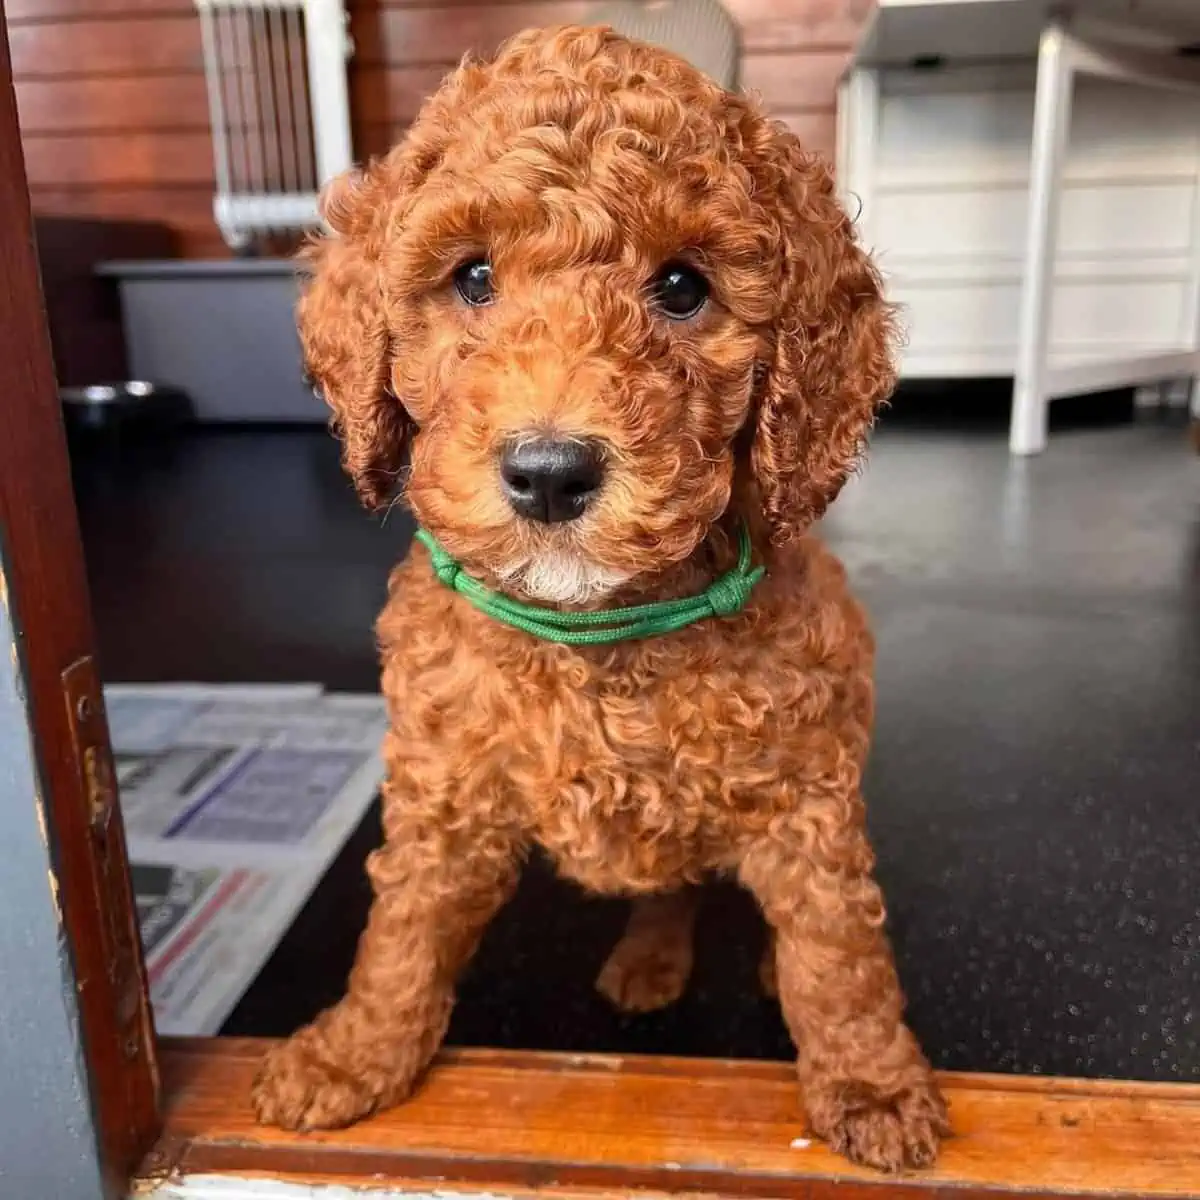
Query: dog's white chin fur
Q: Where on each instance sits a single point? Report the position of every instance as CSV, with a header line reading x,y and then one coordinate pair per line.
x,y
560,578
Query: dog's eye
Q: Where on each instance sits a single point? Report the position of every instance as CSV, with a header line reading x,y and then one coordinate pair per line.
x,y
473,281
679,291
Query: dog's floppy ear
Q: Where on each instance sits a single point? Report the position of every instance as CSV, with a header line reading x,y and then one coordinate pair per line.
x,y
833,360
342,311
344,334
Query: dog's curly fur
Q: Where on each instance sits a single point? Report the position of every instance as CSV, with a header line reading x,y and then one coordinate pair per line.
x,y
579,162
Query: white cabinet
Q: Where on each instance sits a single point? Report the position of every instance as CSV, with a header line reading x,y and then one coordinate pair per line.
x,y
943,159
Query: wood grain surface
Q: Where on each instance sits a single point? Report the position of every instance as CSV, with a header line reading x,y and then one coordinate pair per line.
x,y
585,1125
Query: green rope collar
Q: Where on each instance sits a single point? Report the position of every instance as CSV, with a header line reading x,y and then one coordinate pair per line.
x,y
722,598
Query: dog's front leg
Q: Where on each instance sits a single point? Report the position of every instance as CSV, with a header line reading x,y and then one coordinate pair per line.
x,y
868,1089
434,894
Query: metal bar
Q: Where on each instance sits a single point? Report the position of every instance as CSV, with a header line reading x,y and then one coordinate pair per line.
x,y
299,89
266,99
252,130
226,55
277,33
216,104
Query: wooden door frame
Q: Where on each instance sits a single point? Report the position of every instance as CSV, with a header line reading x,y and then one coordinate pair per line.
x,y
49,642
508,1124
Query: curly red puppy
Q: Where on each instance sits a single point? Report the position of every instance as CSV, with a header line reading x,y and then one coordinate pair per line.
x,y
613,314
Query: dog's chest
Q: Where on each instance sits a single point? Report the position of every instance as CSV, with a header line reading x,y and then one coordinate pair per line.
x,y
636,768
653,773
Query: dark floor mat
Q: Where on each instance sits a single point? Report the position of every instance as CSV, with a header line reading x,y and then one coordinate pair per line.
x,y
1034,785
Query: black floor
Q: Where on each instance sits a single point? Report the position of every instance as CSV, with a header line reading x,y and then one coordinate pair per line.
x,y
1034,787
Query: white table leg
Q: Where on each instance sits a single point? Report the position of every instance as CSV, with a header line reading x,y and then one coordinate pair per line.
x,y
857,144
1051,124
1191,320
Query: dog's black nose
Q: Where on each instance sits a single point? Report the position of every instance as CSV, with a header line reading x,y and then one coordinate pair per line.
x,y
549,480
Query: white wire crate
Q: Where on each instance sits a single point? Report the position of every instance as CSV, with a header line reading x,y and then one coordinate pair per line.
x,y
279,107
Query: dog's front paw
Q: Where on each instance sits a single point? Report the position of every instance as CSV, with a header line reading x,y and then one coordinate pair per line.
x,y
887,1130
296,1088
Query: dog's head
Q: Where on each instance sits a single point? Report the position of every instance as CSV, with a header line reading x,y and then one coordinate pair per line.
x,y
596,300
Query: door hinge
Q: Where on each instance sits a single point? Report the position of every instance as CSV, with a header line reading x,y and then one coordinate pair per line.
x,y
110,867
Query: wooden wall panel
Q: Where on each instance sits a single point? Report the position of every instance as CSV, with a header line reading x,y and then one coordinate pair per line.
x,y
97,104
816,130
117,46
186,211
789,83
114,114
799,26
793,54
442,34
51,10
391,95
115,118
113,160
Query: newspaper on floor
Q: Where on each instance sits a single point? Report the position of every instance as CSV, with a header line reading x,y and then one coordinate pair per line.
x,y
236,799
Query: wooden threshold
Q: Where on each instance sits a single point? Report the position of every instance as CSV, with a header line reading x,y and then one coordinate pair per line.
x,y
524,1124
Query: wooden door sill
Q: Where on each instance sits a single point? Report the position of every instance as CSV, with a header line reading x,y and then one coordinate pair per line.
x,y
522,1124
